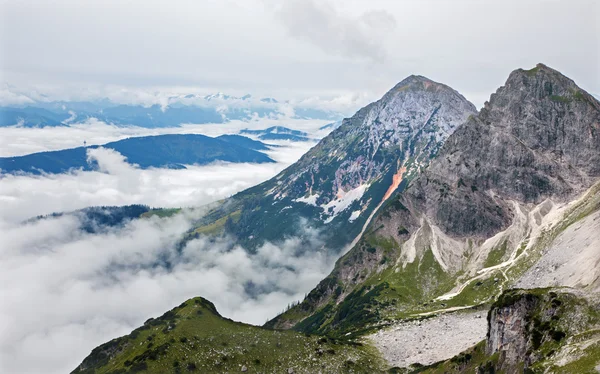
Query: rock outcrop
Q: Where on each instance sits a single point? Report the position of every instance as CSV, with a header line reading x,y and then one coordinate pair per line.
x,y
537,137
526,328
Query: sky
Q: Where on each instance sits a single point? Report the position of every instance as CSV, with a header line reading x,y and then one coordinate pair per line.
x,y
65,291
293,49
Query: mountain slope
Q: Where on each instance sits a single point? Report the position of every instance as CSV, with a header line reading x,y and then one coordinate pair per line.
x,y
171,151
338,184
478,218
193,337
31,117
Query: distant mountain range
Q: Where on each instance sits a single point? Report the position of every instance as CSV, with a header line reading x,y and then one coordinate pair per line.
x,y
196,109
161,151
278,133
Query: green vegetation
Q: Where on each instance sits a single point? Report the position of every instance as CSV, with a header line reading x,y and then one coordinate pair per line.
x,y
219,225
586,359
532,72
496,254
193,337
578,95
161,212
473,360
560,99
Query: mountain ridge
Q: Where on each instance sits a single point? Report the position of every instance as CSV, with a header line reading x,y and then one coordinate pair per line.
x,y
501,194
463,199
341,180
169,150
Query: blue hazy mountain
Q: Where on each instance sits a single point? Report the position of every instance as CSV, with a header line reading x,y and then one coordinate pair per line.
x,y
31,117
278,133
216,108
166,151
245,142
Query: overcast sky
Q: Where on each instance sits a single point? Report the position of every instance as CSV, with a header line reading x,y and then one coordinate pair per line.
x,y
295,48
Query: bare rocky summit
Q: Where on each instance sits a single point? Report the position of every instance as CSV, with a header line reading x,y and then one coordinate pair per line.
x,y
537,137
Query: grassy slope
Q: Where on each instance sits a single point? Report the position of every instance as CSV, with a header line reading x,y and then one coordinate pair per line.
x,y
194,337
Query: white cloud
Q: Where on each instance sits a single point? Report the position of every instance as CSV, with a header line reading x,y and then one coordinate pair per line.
x,y
18,141
322,24
65,292
120,183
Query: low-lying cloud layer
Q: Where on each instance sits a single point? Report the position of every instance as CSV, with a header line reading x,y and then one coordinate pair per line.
x,y
18,141
119,183
65,291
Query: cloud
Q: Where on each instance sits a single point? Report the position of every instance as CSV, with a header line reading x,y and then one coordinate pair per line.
x,y
8,97
323,25
18,141
65,291
120,183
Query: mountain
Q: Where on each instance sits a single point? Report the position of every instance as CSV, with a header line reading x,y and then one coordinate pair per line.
x,y
332,125
506,189
97,219
336,186
500,217
31,117
278,133
172,151
193,337
173,111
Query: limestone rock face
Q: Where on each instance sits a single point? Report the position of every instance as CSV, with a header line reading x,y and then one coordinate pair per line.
x,y
508,330
537,137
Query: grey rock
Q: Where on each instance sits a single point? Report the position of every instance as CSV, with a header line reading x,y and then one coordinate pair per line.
x,y
537,137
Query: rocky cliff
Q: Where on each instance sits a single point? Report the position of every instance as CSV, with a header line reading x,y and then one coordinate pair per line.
x,y
468,226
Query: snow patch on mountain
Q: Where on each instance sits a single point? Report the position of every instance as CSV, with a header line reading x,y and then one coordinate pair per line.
x,y
310,200
343,201
354,215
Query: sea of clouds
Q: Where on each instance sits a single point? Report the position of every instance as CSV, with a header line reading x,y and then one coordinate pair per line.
x,y
65,291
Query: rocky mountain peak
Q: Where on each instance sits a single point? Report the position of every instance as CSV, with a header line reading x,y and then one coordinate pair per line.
x,y
344,178
419,82
537,137
533,87
411,120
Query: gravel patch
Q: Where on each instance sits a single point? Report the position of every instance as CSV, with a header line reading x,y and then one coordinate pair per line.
x,y
431,340
572,260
